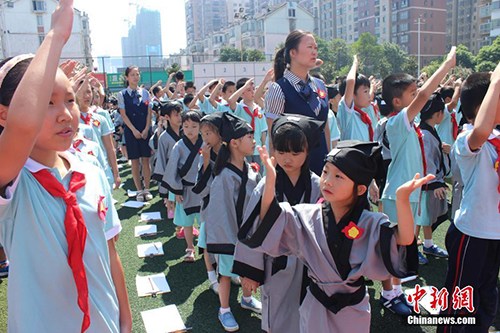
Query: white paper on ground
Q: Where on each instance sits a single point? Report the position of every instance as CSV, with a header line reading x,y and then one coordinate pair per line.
x,y
145,230
163,320
424,302
133,204
151,285
150,216
408,278
120,166
151,249
131,194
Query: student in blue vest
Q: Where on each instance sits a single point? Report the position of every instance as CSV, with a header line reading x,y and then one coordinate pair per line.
x,y
57,220
136,113
295,91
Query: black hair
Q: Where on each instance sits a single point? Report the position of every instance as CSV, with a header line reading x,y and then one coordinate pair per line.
x,y
192,115
226,85
113,100
167,108
222,159
333,91
213,85
289,138
127,72
12,80
241,82
361,80
447,92
189,84
434,105
282,57
394,86
473,91
156,90
179,75
188,99
208,123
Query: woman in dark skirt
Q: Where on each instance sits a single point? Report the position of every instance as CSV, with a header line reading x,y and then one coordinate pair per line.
x,y
136,113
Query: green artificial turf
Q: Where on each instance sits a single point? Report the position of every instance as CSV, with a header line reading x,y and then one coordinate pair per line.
x,y
196,303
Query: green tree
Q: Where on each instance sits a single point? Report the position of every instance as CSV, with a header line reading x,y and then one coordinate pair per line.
x,y
488,56
369,52
173,69
253,55
228,54
465,58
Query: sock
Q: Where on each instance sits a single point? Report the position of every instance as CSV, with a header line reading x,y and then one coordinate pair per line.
x,y
247,299
212,277
396,288
388,294
224,310
428,242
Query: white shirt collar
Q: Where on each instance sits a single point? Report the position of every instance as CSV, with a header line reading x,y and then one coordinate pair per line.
x,y
74,164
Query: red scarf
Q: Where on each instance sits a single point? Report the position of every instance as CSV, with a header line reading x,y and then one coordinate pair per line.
x,y
454,125
86,119
253,115
76,233
420,141
496,143
365,119
77,143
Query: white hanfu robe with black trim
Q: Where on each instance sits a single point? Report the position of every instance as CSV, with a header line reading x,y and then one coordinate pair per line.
x,y
166,143
281,278
228,200
300,230
181,172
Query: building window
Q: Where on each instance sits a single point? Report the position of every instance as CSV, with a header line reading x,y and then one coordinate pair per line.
x,y
39,6
10,4
39,20
291,12
403,27
41,38
404,3
403,15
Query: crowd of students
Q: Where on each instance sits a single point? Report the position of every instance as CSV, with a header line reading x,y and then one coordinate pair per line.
x,y
351,173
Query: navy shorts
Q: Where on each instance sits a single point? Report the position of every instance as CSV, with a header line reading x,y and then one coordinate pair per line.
x,y
137,148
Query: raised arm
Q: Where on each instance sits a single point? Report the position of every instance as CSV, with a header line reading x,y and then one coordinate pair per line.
x,y
203,90
456,95
260,92
216,92
237,94
487,115
430,85
31,101
351,82
269,188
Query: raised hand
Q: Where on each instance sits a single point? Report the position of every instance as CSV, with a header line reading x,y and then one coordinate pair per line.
x,y
407,188
268,162
451,59
62,19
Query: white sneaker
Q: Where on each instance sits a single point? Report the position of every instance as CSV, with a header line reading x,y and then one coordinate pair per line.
x,y
254,305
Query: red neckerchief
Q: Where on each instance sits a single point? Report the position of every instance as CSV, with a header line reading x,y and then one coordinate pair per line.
x,y
496,143
454,125
420,141
86,119
76,233
365,119
77,143
253,115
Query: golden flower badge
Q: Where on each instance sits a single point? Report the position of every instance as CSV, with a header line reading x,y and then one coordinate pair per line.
x,y
101,208
321,94
352,231
96,123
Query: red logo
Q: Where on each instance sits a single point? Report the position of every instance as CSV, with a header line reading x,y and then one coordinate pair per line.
x,y
96,123
352,231
321,93
255,166
101,208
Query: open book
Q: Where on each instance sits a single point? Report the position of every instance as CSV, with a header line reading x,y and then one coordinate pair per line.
x,y
133,204
145,230
163,320
150,250
150,217
152,285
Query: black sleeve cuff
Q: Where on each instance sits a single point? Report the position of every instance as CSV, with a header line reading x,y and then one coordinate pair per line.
x,y
386,236
203,178
157,177
265,226
248,271
171,189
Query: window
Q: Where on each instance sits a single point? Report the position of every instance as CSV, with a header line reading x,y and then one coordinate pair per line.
x,y
403,27
39,6
291,12
40,38
10,4
39,20
404,3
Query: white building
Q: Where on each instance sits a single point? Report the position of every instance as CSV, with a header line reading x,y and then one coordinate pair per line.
x,y
24,24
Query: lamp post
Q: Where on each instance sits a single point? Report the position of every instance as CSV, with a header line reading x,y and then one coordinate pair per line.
x,y
419,22
241,17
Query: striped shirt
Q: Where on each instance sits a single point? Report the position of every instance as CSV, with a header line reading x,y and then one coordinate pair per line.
x,y
274,102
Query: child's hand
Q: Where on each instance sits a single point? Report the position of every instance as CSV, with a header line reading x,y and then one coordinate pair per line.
x,y
440,193
62,20
446,148
81,89
318,63
373,192
269,75
137,134
179,198
407,188
355,61
68,67
249,284
451,59
144,134
268,161
205,151
495,76
249,82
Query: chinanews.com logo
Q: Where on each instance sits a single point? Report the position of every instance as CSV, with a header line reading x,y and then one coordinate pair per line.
x,y
443,309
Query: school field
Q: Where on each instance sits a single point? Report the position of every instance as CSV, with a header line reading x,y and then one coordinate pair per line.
x,y
198,305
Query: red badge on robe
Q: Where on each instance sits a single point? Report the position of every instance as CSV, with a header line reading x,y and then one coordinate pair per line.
x,y
260,116
96,123
255,166
101,208
321,94
352,231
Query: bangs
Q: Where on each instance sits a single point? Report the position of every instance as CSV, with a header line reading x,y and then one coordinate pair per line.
x,y
289,139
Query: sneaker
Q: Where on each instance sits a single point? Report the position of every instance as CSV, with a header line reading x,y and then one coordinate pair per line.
x,y
396,306
180,234
214,286
196,232
4,268
236,281
228,322
436,251
421,259
403,299
147,195
254,305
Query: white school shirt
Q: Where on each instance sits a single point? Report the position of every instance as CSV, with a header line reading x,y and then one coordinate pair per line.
x,y
445,129
478,214
42,295
406,155
260,123
350,123
333,125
